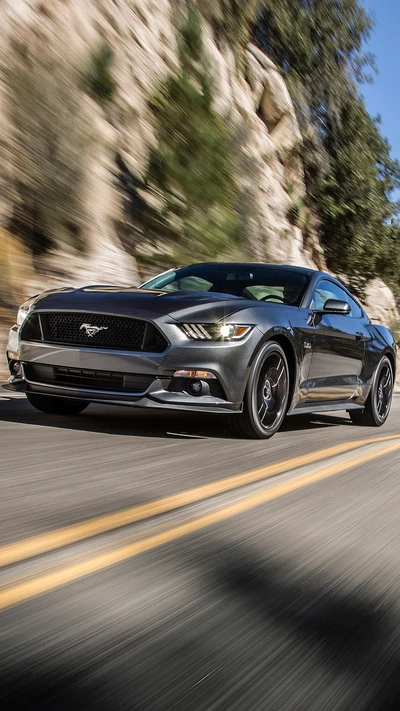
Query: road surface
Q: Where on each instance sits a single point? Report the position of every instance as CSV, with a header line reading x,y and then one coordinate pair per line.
x,y
151,563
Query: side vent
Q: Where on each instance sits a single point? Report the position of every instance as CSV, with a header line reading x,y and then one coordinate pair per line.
x,y
31,329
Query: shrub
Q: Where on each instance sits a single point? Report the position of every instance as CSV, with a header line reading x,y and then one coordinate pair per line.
x,y
298,214
99,79
232,21
193,166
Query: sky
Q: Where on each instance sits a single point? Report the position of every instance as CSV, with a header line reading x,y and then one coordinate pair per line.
x,y
383,96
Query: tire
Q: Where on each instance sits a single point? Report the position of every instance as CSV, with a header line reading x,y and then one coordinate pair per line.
x,y
56,405
266,397
377,406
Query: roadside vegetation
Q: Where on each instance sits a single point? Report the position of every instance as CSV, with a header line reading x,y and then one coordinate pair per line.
x,y
192,168
351,177
350,174
99,78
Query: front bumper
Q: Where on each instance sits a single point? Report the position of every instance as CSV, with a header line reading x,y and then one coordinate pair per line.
x,y
155,398
228,361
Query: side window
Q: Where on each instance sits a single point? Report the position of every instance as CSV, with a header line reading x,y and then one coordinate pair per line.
x,y
356,311
328,290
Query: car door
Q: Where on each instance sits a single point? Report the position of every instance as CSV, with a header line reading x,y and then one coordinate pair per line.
x,y
338,347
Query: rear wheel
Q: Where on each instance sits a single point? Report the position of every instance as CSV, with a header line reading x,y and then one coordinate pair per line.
x,y
266,396
56,405
379,400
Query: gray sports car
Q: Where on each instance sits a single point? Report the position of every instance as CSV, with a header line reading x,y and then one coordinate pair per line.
x,y
254,342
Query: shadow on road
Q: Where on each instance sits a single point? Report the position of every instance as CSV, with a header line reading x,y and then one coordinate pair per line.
x,y
353,635
124,421
260,635
58,690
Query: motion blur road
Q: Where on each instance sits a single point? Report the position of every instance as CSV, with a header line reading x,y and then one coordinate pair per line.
x,y
140,572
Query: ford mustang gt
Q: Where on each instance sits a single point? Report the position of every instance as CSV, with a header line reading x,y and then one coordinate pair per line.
x,y
252,342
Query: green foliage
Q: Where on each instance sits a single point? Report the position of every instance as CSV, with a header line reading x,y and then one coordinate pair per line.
x,y
354,198
350,175
289,188
232,21
99,79
318,45
298,213
192,167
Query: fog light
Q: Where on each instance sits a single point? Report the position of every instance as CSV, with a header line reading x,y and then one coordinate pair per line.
x,y
15,368
199,374
198,387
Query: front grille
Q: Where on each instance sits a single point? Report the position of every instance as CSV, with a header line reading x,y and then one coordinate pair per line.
x,y
113,332
89,379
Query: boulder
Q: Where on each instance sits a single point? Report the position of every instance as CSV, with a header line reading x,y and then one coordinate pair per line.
x,y
380,303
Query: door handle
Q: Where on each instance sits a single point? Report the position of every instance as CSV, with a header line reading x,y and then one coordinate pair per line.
x,y
361,336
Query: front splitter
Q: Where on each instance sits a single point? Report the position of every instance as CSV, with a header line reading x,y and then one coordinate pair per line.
x,y
144,402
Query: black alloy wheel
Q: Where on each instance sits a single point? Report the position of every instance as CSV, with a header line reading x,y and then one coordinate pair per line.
x,y
266,397
384,392
379,400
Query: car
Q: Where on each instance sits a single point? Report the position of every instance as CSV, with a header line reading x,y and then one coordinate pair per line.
x,y
252,342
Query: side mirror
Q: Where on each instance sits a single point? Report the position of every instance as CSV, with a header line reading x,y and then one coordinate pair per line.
x,y
334,306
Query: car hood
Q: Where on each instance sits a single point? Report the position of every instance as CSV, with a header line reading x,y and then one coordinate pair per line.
x,y
130,301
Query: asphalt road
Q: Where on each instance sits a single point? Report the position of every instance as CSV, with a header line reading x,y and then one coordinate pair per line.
x,y
190,588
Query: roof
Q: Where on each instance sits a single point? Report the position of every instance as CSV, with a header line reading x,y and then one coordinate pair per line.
x,y
289,267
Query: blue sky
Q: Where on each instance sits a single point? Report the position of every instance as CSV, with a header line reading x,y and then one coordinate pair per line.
x,y
383,96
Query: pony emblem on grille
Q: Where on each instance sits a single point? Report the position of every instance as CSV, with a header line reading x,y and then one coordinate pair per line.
x,y
92,330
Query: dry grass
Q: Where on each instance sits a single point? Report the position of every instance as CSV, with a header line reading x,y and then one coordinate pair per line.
x,y
50,146
16,272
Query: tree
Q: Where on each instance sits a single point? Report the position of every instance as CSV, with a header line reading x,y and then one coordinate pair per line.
x,y
192,167
318,44
350,176
354,198
232,20
99,79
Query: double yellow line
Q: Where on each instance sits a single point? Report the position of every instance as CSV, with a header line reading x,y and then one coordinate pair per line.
x,y
19,551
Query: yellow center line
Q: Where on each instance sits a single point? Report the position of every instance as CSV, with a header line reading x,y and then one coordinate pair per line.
x,y
44,583
67,535
74,557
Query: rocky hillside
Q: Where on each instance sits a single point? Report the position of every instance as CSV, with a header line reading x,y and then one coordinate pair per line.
x,y
77,129
50,123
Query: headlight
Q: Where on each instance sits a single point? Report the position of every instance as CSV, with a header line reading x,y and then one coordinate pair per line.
x,y
215,331
22,314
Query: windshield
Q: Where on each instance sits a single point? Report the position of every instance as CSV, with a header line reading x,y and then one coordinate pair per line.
x,y
256,282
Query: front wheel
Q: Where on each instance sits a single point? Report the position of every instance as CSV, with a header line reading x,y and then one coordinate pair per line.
x,y
56,405
266,396
379,400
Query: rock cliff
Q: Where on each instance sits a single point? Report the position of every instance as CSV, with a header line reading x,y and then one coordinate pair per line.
x,y
47,39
